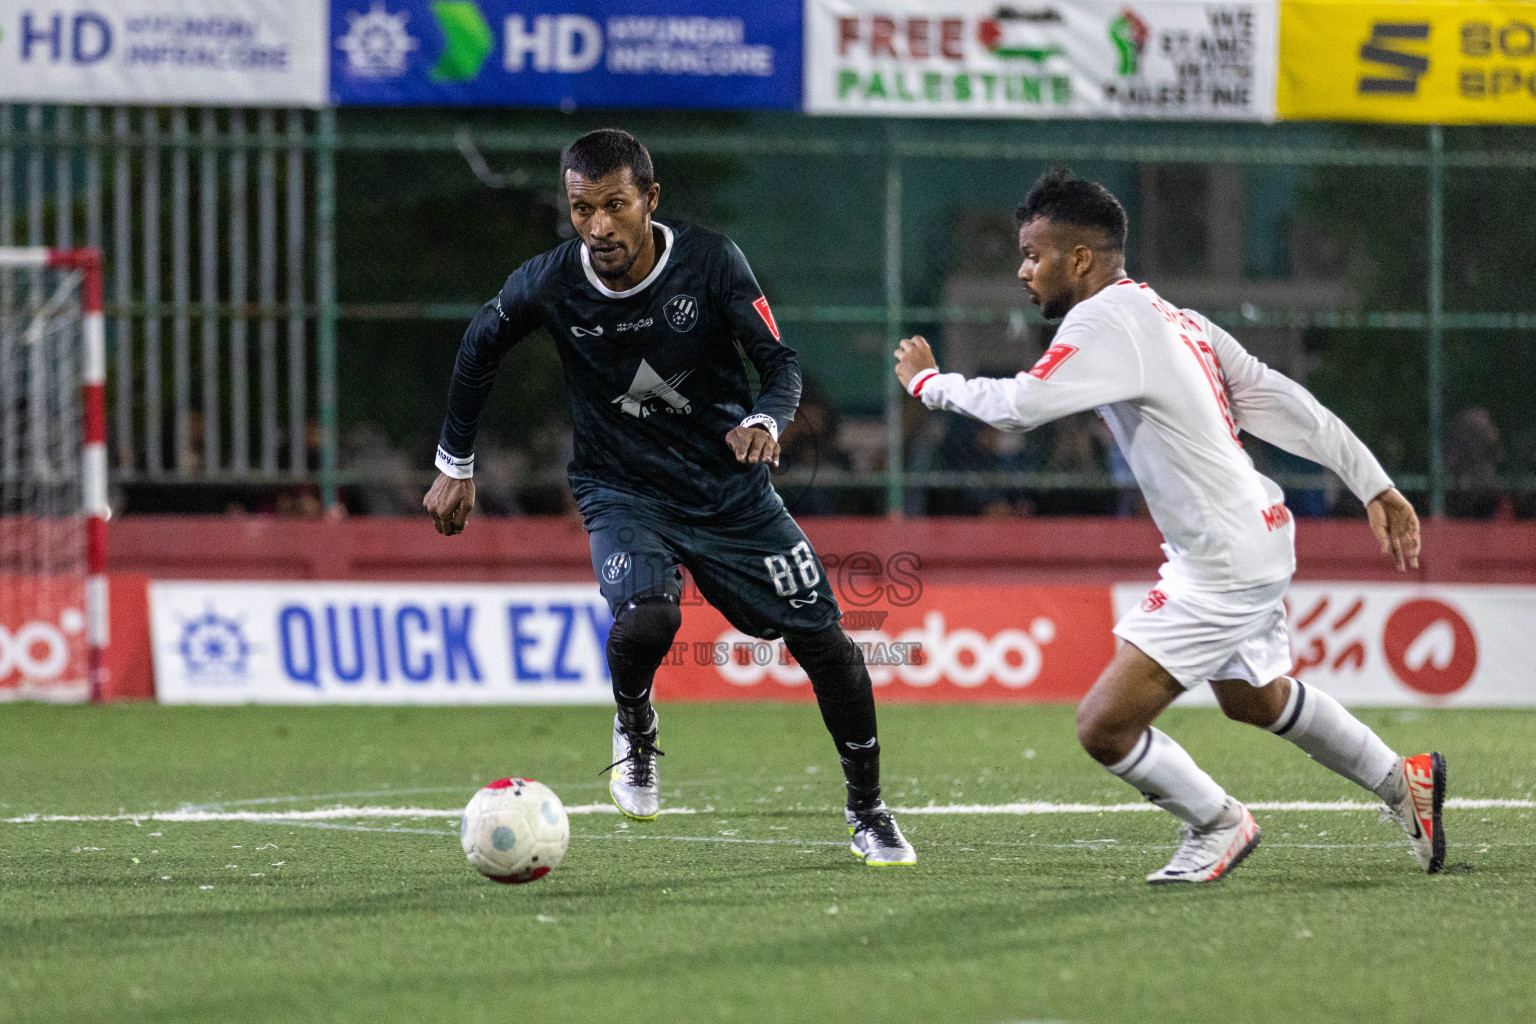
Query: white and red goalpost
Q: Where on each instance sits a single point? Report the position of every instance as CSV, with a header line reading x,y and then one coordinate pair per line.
x,y
53,475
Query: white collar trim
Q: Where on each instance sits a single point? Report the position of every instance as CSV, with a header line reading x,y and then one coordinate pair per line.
x,y
597,282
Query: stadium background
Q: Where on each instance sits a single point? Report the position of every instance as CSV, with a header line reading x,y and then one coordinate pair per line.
x,y
286,283
300,203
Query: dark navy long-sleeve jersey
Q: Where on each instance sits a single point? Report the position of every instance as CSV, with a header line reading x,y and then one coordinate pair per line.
x,y
655,375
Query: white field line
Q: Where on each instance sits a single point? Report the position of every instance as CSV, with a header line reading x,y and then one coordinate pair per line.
x,y
217,805
1045,807
1106,845
323,814
1027,808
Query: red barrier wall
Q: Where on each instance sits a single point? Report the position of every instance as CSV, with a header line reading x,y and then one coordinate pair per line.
x,y
952,550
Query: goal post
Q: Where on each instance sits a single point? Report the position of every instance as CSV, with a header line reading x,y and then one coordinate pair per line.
x,y
53,475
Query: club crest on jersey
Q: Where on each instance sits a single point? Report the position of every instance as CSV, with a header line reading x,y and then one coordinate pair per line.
x,y
616,567
649,392
682,312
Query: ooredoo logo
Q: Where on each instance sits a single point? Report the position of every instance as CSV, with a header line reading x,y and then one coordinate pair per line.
x,y
1430,647
958,655
39,651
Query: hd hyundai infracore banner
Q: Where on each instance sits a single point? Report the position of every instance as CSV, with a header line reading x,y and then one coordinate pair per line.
x,y
1162,59
679,54
251,53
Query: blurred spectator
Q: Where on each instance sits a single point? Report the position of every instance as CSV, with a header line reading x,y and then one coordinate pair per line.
x,y
1077,449
1309,489
1523,468
386,481
500,475
1128,499
959,444
808,447
1004,451
1472,456
544,490
300,501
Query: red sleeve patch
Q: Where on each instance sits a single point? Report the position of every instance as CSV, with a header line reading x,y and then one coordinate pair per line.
x,y
1052,360
761,305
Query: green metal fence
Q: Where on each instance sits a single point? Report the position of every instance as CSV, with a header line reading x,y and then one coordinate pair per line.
x,y
67,167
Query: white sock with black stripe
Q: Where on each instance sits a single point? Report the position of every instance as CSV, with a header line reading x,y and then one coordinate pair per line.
x,y
1164,773
1336,739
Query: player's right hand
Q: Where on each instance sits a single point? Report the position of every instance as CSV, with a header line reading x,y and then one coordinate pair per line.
x,y
449,503
1396,527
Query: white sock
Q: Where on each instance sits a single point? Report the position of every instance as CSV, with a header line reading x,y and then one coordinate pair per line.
x,y
1335,739
1165,774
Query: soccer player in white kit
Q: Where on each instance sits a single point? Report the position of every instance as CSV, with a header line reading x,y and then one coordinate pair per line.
x,y
1176,390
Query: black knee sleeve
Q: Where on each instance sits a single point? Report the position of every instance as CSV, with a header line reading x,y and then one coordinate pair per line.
x,y
638,642
847,701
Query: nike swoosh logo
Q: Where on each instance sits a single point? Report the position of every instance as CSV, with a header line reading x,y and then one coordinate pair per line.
x,y
801,602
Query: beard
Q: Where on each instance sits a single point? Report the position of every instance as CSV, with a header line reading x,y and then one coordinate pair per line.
x,y
611,272
1056,307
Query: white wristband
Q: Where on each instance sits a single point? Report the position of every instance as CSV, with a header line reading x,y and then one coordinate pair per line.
x,y
452,465
762,419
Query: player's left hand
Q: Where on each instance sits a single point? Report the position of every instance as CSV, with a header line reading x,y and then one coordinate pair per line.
x,y
913,356
1396,527
753,445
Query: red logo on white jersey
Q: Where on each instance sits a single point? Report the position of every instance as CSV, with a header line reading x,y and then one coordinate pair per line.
x,y
1155,600
761,305
1276,516
1052,360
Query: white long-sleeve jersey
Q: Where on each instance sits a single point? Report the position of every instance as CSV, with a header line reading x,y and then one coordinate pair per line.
x,y
1175,390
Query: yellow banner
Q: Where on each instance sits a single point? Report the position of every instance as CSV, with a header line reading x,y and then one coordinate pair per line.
x,y
1402,61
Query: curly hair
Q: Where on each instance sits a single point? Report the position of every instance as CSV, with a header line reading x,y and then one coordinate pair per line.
x,y
1065,199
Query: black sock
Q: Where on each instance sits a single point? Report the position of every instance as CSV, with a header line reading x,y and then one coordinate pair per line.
x,y
847,701
863,780
638,642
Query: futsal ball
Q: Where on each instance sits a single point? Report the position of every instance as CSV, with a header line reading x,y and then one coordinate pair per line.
x,y
515,830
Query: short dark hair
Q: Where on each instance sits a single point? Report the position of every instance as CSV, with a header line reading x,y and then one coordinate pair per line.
x,y
600,153
1064,199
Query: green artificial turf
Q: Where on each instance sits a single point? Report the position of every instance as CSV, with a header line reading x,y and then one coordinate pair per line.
x,y
1005,918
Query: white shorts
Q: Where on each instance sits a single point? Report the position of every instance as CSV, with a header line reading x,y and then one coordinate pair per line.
x,y
1200,635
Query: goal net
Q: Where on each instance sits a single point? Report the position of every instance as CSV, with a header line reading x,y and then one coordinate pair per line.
x,y
53,615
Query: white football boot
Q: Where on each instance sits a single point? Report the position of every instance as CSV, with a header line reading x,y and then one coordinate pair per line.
x,y
1210,853
876,838
632,779
1416,804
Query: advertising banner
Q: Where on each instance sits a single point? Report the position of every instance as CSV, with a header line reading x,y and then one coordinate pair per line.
x,y
1398,644
922,644
42,639
329,643
1421,63
368,643
1163,59
344,643
265,53
681,54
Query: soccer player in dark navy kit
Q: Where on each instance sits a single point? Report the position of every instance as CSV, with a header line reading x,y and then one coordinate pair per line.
x,y
654,324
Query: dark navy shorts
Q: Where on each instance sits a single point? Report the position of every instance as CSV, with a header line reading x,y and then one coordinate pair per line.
x,y
758,570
